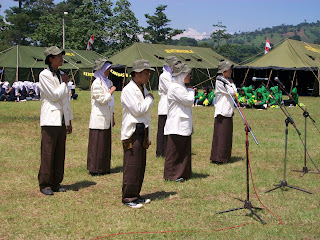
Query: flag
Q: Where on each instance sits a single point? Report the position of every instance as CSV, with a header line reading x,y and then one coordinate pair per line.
x,y
267,46
91,40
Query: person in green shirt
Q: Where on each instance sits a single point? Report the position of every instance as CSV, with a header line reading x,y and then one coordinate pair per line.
x,y
203,96
211,96
261,99
295,98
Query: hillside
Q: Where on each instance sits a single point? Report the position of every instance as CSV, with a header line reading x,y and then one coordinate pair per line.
x,y
308,32
245,47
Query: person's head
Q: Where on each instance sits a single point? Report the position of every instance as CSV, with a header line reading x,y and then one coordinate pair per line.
x,y
225,68
181,73
54,57
242,91
102,68
141,71
205,90
171,61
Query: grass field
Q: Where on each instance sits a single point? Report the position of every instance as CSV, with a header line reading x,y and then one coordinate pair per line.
x,y
92,208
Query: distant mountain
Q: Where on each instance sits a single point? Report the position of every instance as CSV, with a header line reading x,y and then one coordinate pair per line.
x,y
307,32
246,46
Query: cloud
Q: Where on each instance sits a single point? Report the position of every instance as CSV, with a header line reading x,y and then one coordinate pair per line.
x,y
193,33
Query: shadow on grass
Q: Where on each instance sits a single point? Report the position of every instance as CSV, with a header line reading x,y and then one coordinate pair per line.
x,y
116,170
199,175
159,195
77,186
232,160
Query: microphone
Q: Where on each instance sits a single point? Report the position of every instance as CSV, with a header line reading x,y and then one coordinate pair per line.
x,y
279,83
259,79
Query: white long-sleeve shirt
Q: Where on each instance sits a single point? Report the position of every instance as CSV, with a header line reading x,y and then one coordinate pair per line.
x,y
165,80
135,109
179,118
224,104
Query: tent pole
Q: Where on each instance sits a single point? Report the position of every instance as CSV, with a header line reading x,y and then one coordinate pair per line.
x,y
319,82
294,75
269,77
1,74
17,70
245,77
72,77
211,78
34,80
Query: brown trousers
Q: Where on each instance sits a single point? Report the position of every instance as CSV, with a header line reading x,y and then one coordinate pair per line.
x,y
99,151
134,165
53,148
178,158
161,138
222,139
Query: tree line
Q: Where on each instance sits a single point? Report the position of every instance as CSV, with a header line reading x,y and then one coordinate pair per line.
x,y
114,26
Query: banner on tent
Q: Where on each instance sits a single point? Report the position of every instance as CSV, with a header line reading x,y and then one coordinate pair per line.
x,y
312,49
90,74
178,51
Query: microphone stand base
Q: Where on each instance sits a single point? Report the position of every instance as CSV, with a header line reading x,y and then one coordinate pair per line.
x,y
247,205
285,184
305,170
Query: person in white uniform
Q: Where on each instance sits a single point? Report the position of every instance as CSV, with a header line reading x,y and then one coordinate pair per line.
x,y
136,102
101,120
55,122
165,81
179,126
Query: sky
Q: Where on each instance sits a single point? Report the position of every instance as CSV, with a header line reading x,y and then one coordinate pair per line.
x,y
196,17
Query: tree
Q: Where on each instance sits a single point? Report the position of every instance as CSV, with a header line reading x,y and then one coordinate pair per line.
x,y
91,18
220,34
124,27
24,19
157,31
185,41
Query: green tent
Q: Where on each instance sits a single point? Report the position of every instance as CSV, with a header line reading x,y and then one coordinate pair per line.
x,y
293,62
26,62
203,61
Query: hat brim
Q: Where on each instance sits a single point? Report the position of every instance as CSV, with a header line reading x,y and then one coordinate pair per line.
x,y
141,69
225,69
178,73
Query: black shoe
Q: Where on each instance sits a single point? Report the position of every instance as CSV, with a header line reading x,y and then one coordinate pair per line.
x,y
47,191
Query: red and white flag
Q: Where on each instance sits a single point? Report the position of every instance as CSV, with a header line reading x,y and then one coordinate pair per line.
x,y
268,47
91,40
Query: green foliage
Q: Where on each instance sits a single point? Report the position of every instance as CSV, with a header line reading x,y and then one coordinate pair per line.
x,y
237,53
158,30
185,41
125,27
220,34
92,17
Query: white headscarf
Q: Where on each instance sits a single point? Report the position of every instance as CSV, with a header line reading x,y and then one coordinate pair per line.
x,y
100,74
180,78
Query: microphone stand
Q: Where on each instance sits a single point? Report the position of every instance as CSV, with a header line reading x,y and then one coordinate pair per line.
x,y
305,115
247,203
288,120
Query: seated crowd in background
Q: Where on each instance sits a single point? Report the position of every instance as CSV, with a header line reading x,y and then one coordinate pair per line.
x,y
26,91
250,97
261,98
204,98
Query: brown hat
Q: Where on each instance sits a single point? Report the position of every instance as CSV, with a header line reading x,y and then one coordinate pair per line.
x,y
171,60
224,66
180,68
141,64
99,63
52,51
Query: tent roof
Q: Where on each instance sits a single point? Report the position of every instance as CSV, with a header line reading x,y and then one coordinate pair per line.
x,y
33,57
195,57
291,54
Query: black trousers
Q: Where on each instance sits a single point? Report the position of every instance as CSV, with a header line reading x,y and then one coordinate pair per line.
x,y
161,138
53,148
